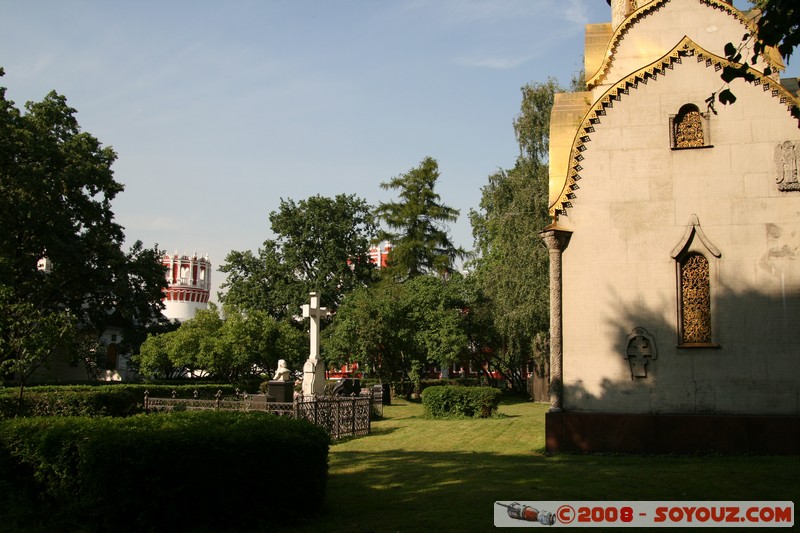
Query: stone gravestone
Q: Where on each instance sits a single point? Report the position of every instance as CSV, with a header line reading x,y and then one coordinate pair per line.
x,y
314,367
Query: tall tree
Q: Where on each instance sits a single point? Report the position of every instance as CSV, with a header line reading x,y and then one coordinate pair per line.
x,y
371,329
322,245
512,269
60,248
395,329
418,224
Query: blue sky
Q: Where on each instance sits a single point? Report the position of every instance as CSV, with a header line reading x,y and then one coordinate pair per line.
x,y
219,109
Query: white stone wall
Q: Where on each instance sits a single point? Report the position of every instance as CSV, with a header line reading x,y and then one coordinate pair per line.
x,y
636,198
183,311
659,30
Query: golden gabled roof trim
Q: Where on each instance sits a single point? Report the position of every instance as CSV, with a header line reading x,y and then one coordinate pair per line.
x,y
613,43
685,48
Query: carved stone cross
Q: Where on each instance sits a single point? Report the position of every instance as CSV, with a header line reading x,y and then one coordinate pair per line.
x,y
315,313
641,349
314,367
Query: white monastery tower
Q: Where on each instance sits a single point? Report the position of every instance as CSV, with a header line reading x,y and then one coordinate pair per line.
x,y
189,279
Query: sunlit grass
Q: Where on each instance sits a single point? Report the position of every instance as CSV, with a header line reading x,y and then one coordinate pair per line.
x,y
417,474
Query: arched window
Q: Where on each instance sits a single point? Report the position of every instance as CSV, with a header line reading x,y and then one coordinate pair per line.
x,y
695,295
689,128
697,270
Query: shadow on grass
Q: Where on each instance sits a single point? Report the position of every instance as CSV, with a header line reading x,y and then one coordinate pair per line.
x,y
415,491
381,431
513,399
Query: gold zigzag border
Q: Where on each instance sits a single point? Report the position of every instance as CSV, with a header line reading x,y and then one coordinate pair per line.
x,y
685,48
613,43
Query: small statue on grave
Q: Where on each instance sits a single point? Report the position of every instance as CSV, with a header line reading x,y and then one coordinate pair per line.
x,y
283,373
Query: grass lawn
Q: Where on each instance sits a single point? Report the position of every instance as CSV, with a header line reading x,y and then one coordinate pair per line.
x,y
414,474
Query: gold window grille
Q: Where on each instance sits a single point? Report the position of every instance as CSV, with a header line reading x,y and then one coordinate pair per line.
x,y
689,128
695,299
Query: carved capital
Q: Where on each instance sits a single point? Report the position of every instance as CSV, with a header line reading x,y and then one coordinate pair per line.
x,y
556,238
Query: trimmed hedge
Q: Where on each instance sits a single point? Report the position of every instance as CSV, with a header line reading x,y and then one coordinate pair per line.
x,y
96,400
406,388
176,471
452,401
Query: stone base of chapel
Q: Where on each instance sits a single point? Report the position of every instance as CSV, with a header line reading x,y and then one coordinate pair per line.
x,y
671,433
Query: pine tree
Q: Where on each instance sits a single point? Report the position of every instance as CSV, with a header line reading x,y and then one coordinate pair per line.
x,y
417,224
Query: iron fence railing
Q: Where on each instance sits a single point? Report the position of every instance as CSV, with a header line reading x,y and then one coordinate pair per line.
x,y
339,416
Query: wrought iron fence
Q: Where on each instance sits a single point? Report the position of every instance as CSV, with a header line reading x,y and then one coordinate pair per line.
x,y
339,416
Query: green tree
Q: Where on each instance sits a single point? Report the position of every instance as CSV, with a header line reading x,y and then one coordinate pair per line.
x,y
229,345
436,316
56,189
395,329
370,328
251,343
777,27
29,336
155,357
201,339
512,269
418,224
184,352
322,244
258,281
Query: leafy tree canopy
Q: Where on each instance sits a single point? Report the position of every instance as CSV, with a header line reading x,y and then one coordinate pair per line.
x,y
60,248
393,329
417,224
230,346
511,272
777,27
321,245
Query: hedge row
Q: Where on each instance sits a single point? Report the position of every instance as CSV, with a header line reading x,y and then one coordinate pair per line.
x,y
99,400
450,401
176,471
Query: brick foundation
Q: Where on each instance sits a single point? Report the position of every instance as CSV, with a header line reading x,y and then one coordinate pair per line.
x,y
682,434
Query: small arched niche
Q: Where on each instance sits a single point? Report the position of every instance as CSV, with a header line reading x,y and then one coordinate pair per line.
x,y
689,128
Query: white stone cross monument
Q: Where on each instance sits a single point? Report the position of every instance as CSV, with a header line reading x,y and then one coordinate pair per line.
x,y
314,368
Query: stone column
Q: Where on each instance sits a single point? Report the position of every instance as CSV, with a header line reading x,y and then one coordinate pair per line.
x,y
556,239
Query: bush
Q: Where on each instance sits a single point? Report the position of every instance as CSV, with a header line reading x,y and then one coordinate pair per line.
x,y
452,401
99,400
406,388
161,471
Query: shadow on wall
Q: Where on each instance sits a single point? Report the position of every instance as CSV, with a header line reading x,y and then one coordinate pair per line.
x,y
751,366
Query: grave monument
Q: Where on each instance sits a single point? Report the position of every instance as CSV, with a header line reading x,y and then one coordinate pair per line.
x,y
281,386
314,367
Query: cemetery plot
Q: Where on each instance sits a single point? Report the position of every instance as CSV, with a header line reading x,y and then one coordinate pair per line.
x,y
339,416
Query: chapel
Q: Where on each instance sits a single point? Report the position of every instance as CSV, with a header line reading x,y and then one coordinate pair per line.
x,y
675,241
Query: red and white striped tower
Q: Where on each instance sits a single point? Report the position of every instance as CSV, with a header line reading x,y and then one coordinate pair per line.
x,y
379,254
189,279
